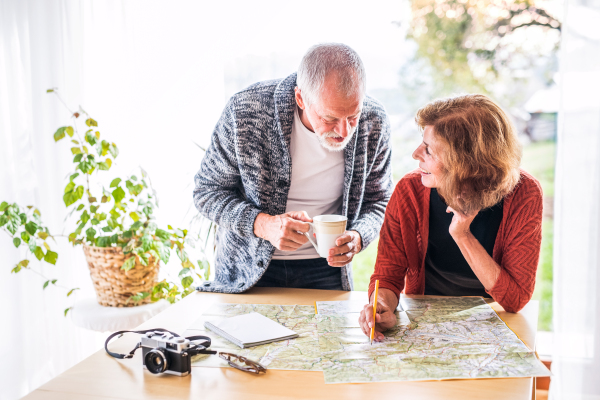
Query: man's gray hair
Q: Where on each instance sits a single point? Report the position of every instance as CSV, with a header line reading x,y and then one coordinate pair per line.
x,y
323,59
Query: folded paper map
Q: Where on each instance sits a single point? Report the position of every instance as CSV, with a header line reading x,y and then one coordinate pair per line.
x,y
435,339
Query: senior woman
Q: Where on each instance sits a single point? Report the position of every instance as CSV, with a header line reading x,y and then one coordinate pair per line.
x,y
467,222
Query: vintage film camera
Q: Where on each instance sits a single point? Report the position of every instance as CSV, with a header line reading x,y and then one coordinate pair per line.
x,y
167,352
164,352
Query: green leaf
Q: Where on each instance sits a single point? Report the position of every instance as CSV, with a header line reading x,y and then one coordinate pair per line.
x,y
46,284
148,210
43,235
107,229
164,235
67,310
13,224
144,258
105,146
146,242
139,297
187,281
115,182
85,217
71,197
103,241
75,175
60,133
69,131
31,227
90,137
38,252
75,150
95,221
90,233
25,236
17,242
90,122
182,255
70,186
3,220
80,207
51,257
71,291
113,150
3,206
23,263
184,271
164,253
93,209
128,264
118,194
49,90
136,225
23,218
102,166
134,216
77,158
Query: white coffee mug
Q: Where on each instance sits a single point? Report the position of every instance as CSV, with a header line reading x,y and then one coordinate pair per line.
x,y
327,229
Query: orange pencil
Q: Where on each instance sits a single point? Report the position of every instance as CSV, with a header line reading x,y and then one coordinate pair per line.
x,y
374,310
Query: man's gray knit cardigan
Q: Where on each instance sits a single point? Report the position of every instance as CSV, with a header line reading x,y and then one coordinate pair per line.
x,y
247,169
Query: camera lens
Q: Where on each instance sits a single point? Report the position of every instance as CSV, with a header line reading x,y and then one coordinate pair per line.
x,y
156,360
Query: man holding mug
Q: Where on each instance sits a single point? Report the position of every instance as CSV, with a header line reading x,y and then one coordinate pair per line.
x,y
284,151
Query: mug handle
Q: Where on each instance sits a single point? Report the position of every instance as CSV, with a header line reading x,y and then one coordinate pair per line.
x,y
309,236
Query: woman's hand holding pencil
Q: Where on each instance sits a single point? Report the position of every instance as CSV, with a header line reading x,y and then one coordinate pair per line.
x,y
385,317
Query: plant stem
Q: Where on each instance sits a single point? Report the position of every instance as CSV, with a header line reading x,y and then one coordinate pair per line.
x,y
46,278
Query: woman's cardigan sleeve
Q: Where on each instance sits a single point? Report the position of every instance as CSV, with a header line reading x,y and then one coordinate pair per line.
x,y
521,243
397,249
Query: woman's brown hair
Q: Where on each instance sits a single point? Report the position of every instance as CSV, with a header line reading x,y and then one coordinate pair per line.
x,y
481,154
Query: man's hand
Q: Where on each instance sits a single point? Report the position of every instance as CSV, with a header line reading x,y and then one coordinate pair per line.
x,y
347,245
284,231
386,314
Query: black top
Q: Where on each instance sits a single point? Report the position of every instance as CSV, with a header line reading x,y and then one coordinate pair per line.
x,y
447,273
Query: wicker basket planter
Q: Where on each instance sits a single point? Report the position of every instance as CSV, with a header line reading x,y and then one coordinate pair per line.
x,y
113,285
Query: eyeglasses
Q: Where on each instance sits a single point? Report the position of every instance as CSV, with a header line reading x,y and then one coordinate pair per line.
x,y
236,361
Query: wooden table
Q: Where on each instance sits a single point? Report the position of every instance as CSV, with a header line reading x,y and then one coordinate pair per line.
x,y
103,377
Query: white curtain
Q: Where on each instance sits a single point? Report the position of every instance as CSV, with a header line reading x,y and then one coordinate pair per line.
x,y
148,74
576,358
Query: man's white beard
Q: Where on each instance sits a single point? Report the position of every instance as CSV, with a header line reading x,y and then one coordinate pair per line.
x,y
335,146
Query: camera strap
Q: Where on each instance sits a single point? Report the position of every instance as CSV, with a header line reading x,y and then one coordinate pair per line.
x,y
196,348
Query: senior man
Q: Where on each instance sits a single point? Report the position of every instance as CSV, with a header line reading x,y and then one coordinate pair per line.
x,y
284,151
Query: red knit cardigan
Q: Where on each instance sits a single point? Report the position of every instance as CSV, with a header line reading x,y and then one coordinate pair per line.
x,y
405,232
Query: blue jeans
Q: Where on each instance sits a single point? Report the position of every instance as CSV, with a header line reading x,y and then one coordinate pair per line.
x,y
313,273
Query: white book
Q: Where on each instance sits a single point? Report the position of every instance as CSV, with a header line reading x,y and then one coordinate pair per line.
x,y
250,330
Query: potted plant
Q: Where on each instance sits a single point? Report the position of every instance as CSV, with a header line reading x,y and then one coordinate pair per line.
x,y
116,227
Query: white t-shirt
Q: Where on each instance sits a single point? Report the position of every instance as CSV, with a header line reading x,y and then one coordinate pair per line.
x,y
317,182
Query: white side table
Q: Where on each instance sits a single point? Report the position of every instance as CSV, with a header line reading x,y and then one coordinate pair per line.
x,y
88,314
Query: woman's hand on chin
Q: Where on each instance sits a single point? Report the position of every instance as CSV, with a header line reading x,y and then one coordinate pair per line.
x,y
460,226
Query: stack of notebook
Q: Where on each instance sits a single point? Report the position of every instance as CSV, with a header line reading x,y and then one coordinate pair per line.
x,y
250,330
